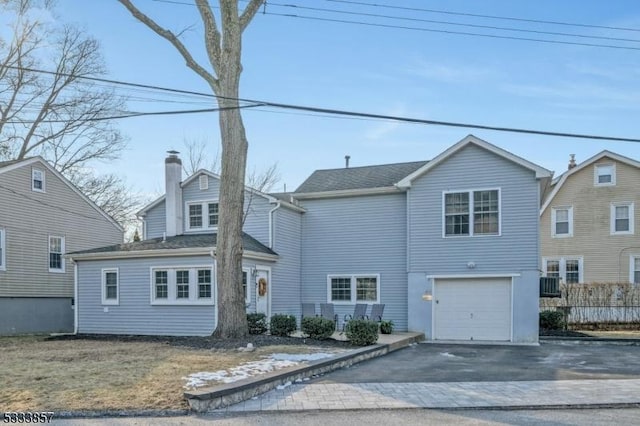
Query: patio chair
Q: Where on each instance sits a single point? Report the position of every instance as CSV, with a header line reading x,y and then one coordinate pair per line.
x,y
359,312
327,311
376,312
308,310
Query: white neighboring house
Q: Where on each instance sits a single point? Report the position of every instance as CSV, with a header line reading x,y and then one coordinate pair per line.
x,y
42,217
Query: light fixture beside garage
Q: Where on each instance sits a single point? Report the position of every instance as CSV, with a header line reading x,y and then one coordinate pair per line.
x,y
427,296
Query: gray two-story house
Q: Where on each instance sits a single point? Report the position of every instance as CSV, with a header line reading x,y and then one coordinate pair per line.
x,y
450,246
43,217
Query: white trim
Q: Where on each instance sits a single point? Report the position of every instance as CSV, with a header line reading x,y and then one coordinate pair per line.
x,y
3,249
65,181
271,225
540,172
267,269
191,178
193,251
75,297
142,212
596,175
205,215
106,301
460,276
61,270
632,270
553,221
348,193
471,212
631,218
33,180
353,278
565,176
193,299
562,266
203,184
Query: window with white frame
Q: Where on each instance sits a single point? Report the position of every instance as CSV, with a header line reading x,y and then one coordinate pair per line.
x,y
246,289
634,269
349,289
562,221
56,251
469,213
202,215
622,217
37,180
604,175
3,244
192,285
569,269
110,286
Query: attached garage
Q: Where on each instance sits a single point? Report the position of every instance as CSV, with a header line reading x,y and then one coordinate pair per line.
x,y
472,309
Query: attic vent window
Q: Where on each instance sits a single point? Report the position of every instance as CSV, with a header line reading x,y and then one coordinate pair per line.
x,y
204,182
37,180
605,175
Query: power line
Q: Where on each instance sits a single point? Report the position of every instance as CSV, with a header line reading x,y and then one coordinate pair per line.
x,y
475,15
346,113
464,33
430,21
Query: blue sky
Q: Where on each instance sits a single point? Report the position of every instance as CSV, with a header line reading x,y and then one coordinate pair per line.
x,y
429,75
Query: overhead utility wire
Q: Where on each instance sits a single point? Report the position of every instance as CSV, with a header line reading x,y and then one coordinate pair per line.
x,y
362,114
475,15
459,24
433,30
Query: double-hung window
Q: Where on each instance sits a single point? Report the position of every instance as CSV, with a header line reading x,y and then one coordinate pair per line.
x,y
3,250
110,286
604,175
37,180
349,289
468,213
569,269
56,251
190,285
245,285
634,269
622,218
202,215
562,222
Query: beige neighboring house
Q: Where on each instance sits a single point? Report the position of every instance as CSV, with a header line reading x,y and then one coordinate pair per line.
x,y
43,217
589,224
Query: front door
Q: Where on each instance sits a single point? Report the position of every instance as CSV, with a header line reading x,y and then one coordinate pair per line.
x,y
263,290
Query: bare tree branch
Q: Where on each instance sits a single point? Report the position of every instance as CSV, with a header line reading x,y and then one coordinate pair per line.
x,y
249,12
211,35
171,38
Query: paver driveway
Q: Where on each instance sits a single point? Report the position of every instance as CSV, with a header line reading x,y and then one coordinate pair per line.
x,y
428,363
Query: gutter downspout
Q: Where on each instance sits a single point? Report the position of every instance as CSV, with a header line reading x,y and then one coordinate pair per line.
x,y
75,296
271,238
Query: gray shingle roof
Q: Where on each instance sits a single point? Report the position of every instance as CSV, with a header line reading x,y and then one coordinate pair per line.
x,y
178,242
358,177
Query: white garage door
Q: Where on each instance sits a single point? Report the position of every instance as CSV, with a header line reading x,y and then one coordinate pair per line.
x,y
472,309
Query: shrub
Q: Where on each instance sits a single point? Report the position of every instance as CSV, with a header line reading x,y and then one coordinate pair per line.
x,y
257,323
318,327
386,326
552,320
282,325
362,332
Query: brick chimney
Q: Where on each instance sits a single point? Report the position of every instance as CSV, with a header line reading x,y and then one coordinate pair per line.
x,y
173,196
572,161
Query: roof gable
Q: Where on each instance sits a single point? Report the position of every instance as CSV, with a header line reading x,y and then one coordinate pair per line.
x,y
16,164
561,180
540,172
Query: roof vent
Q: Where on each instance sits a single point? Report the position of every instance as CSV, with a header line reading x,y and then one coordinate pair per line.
x,y
346,161
572,161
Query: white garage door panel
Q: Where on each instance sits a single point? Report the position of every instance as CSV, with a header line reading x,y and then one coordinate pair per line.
x,y
472,309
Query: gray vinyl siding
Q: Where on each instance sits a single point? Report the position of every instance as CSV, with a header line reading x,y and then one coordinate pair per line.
x,y
356,235
29,218
474,168
286,294
134,314
29,315
155,221
257,220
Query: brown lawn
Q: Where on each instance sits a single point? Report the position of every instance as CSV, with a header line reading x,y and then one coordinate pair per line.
x,y
54,375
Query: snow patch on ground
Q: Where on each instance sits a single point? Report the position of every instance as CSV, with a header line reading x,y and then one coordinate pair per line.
x,y
249,369
448,355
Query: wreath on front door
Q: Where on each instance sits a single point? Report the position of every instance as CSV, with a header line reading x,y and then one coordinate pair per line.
x,y
262,286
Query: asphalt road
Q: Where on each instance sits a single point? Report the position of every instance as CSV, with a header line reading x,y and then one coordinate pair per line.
x,y
430,363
